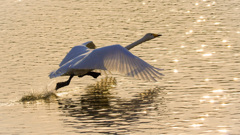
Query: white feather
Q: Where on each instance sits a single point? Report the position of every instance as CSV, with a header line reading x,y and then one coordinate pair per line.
x,y
76,51
115,58
81,60
67,69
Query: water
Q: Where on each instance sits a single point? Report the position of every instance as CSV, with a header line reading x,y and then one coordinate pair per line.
x,y
199,51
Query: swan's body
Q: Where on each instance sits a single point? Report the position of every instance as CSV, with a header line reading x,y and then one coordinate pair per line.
x,y
83,59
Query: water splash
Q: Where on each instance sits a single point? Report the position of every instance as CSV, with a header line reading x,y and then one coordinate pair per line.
x,y
34,96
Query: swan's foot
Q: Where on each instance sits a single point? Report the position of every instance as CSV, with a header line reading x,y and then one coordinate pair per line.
x,y
93,74
62,84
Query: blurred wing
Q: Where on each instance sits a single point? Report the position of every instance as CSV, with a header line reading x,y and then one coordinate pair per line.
x,y
118,58
65,68
76,51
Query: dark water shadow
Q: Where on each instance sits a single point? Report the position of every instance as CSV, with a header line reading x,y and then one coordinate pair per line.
x,y
102,112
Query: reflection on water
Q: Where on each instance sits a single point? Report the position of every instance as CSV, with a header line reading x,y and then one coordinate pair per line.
x,y
100,111
103,85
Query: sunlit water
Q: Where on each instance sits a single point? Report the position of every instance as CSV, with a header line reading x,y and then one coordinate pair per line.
x,y
199,51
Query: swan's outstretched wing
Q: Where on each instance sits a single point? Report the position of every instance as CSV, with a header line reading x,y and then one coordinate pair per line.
x,y
67,67
118,58
76,51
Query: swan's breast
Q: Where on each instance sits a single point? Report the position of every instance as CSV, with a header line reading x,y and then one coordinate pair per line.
x,y
77,72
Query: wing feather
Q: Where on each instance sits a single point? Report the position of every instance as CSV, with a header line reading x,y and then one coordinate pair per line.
x,y
149,74
136,69
128,68
143,71
76,51
65,68
117,58
153,72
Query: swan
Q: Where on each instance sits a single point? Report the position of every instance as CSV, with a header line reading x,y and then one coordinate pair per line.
x,y
84,59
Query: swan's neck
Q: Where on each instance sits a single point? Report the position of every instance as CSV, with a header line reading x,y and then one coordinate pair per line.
x,y
135,43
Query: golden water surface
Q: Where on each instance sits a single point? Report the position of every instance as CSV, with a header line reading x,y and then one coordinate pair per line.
x,y
199,52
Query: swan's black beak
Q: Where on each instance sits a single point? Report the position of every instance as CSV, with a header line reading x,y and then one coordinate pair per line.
x,y
157,35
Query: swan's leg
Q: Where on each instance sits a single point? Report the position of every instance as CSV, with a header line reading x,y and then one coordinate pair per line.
x,y
62,84
93,74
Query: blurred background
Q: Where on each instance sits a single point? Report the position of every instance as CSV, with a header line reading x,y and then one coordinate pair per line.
x,y
199,52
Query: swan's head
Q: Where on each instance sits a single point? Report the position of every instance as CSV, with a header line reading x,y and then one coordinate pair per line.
x,y
150,36
147,37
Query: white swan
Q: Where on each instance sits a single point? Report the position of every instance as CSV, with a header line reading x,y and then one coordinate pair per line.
x,y
83,59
